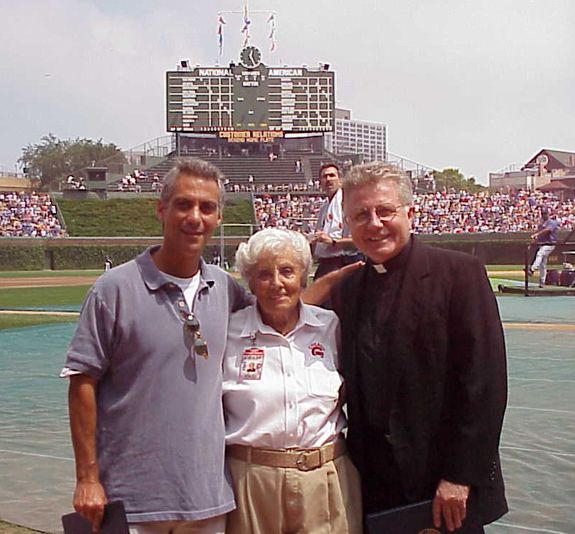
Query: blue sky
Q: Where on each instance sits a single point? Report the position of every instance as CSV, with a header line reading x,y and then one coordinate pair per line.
x,y
474,85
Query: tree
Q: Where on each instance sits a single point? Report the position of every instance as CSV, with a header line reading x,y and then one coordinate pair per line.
x,y
454,179
52,159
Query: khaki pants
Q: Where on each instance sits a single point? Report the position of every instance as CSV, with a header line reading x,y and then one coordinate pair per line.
x,y
213,525
275,500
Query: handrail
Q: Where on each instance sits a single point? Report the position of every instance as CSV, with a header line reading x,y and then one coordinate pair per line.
x,y
59,213
12,174
418,166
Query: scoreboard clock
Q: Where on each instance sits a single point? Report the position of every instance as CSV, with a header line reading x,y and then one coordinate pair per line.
x,y
250,57
250,97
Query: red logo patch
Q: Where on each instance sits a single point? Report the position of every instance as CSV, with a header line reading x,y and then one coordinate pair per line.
x,y
317,350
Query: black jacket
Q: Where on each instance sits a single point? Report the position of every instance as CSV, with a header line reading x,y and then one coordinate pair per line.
x,y
447,378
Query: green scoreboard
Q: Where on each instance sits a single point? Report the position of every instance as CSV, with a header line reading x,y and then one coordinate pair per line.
x,y
250,96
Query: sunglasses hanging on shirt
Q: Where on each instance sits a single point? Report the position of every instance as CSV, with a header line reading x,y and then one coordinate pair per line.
x,y
192,329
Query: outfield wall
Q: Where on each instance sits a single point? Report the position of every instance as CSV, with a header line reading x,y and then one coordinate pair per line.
x,y
27,254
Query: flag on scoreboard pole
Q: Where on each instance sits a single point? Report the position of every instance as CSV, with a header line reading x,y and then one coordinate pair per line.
x,y
247,22
221,23
272,35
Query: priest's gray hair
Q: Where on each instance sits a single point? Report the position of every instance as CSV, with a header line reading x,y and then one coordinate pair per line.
x,y
379,172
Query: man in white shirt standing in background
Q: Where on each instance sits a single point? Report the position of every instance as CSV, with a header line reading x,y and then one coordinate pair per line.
x,y
332,245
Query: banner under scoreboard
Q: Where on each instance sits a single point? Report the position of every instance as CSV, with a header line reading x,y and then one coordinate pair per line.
x,y
250,136
250,97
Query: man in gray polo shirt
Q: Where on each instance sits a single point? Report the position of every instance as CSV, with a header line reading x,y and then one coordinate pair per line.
x,y
145,373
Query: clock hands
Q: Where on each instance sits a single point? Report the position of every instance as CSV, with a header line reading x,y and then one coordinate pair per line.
x,y
250,57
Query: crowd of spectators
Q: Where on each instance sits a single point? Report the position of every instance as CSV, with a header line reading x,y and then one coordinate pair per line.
x,y
450,212
135,182
75,183
295,207
138,180
28,215
253,186
290,211
456,212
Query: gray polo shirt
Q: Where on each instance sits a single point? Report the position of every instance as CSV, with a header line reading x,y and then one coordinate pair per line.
x,y
160,433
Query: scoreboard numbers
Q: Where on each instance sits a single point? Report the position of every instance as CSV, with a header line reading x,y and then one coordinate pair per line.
x,y
260,98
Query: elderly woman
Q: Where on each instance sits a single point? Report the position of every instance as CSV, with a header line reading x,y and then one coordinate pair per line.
x,y
282,399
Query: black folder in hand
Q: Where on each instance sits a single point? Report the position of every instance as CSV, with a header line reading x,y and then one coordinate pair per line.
x,y
114,521
410,519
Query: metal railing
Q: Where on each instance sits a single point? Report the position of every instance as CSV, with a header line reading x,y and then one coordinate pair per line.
x,y
159,147
4,173
406,164
222,262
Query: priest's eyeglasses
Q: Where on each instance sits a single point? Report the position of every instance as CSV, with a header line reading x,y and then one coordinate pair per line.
x,y
192,329
384,212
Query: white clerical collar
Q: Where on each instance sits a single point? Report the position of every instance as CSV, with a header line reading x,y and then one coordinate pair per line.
x,y
379,268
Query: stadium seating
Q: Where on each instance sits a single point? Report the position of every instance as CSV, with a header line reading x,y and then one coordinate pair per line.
x,y
28,215
435,213
292,197
237,169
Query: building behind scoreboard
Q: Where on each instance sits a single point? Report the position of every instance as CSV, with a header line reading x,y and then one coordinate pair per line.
x,y
351,137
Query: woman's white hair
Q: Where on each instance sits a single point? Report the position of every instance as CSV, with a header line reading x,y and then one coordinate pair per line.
x,y
275,241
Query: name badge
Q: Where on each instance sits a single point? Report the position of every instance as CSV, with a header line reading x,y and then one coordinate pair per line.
x,y
252,364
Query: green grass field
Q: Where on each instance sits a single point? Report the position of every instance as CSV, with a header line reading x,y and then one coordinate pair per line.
x,y
42,296
136,217
66,296
111,218
22,321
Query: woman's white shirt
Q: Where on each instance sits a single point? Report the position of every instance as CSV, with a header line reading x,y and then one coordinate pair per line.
x,y
283,391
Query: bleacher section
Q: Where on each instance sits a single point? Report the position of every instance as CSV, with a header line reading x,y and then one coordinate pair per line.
x,y
238,168
434,213
29,214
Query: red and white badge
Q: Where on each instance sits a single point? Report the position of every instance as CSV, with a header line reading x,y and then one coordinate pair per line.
x,y
317,350
252,364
